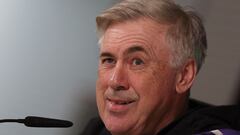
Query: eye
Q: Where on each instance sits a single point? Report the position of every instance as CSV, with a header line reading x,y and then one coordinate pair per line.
x,y
137,62
108,61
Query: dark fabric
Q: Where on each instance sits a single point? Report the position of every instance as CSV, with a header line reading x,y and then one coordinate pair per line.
x,y
204,120
221,131
200,118
95,127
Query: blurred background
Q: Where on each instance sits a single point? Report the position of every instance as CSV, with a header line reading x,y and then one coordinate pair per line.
x,y
48,59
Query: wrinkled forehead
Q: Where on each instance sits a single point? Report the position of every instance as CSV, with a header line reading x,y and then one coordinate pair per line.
x,y
140,24
139,29
143,33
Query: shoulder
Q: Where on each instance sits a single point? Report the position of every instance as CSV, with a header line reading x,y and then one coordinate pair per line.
x,y
221,132
220,119
206,119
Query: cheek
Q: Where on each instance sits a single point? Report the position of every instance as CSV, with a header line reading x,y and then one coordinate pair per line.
x,y
101,87
103,78
101,84
146,87
100,96
153,86
147,82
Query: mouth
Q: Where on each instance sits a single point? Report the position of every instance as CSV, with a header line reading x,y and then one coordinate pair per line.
x,y
120,102
119,105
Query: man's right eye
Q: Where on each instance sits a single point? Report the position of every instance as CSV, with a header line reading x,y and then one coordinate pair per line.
x,y
108,61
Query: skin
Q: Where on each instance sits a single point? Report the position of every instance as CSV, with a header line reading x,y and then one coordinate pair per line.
x,y
137,91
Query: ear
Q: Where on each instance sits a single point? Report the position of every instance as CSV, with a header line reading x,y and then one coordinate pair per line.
x,y
186,76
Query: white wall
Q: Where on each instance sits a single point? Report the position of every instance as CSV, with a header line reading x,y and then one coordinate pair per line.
x,y
48,62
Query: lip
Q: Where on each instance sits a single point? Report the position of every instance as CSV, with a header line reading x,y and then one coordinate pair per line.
x,y
119,105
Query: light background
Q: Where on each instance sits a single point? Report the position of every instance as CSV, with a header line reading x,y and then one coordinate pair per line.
x,y
48,59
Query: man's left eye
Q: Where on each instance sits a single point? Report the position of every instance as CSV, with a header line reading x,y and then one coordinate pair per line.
x,y
137,62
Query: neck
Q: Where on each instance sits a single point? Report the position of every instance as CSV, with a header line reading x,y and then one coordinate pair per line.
x,y
177,110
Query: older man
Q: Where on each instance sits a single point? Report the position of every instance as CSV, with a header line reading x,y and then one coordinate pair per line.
x,y
150,53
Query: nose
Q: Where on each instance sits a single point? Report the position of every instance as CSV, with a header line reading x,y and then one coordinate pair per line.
x,y
119,78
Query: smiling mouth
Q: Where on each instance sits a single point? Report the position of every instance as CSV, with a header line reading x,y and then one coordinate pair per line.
x,y
120,102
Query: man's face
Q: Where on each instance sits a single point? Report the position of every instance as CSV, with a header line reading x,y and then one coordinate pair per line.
x,y
136,85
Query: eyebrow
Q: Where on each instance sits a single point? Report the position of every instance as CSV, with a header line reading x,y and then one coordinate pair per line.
x,y
134,49
106,54
130,50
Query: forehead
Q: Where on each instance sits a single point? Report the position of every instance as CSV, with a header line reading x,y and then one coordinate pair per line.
x,y
145,32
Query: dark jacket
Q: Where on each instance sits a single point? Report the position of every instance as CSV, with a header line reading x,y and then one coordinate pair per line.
x,y
201,119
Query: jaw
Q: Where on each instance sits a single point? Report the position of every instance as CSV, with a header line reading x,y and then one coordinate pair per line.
x,y
119,119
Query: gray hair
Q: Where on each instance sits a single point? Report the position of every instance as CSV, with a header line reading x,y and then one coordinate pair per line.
x,y
186,33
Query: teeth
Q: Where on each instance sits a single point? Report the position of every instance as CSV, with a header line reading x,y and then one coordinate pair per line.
x,y
122,103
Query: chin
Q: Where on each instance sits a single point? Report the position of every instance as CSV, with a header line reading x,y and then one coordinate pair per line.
x,y
116,129
117,125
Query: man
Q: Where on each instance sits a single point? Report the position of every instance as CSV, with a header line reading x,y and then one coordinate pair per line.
x,y
150,54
